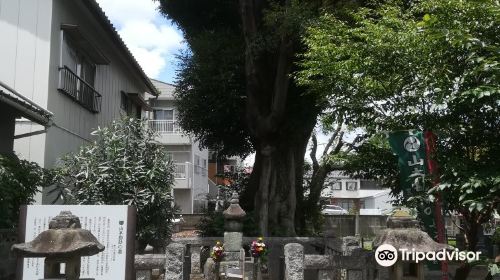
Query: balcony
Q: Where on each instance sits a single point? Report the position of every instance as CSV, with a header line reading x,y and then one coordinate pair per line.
x,y
187,175
182,176
79,90
165,127
169,132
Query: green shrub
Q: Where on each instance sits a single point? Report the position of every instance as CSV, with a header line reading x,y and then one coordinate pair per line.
x,y
124,165
19,180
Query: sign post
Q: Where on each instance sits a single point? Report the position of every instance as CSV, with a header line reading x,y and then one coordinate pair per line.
x,y
430,145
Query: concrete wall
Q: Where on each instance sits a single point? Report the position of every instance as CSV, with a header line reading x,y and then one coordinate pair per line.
x,y
344,225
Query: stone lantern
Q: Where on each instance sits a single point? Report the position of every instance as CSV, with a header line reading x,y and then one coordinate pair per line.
x,y
403,232
64,242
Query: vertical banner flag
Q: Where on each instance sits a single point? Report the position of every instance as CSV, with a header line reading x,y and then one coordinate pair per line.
x,y
409,146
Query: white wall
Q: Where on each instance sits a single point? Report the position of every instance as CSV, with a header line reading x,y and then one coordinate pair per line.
x,y
381,202
183,200
200,179
25,28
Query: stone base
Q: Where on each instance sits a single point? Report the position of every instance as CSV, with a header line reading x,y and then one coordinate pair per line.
x,y
196,276
231,256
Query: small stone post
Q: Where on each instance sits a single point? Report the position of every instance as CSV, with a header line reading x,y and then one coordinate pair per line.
x,y
294,261
233,226
196,263
174,262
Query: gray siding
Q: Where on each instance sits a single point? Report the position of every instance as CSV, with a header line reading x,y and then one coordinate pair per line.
x,y
30,56
24,57
74,122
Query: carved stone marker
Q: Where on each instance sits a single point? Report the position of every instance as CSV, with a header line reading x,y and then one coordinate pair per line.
x,y
64,242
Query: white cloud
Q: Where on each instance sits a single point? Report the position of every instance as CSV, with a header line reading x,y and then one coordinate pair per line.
x,y
145,34
153,42
122,11
152,62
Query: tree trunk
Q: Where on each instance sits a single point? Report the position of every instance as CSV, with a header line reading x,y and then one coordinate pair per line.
x,y
471,235
279,188
279,119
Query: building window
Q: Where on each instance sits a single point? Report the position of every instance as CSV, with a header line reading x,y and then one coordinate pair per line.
x,y
351,185
347,205
336,186
163,115
77,76
125,103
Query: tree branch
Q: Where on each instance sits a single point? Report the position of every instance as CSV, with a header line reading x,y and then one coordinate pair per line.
x,y
332,139
312,154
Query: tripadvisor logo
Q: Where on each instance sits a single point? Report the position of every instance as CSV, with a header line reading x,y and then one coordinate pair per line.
x,y
387,255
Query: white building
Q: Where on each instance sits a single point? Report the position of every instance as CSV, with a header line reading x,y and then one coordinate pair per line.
x,y
66,58
351,194
191,163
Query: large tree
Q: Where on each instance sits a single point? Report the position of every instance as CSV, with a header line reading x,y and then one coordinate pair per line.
x,y
432,64
236,95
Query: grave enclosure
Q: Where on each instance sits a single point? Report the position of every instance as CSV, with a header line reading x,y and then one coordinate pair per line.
x,y
289,258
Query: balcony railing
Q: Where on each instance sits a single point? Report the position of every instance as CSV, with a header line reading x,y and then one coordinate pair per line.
x,y
79,90
181,170
165,126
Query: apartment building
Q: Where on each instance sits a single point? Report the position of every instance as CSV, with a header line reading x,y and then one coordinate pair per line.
x,y
65,60
191,163
352,194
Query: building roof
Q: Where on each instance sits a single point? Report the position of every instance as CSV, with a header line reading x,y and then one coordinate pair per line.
x,y
166,89
23,106
101,17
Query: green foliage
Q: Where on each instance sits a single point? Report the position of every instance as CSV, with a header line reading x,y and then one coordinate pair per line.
x,y
496,236
124,165
19,182
429,65
212,223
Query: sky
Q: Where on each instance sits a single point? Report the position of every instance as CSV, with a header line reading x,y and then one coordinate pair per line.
x,y
152,38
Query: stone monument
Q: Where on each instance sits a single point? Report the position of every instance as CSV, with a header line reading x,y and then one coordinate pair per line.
x,y
65,242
